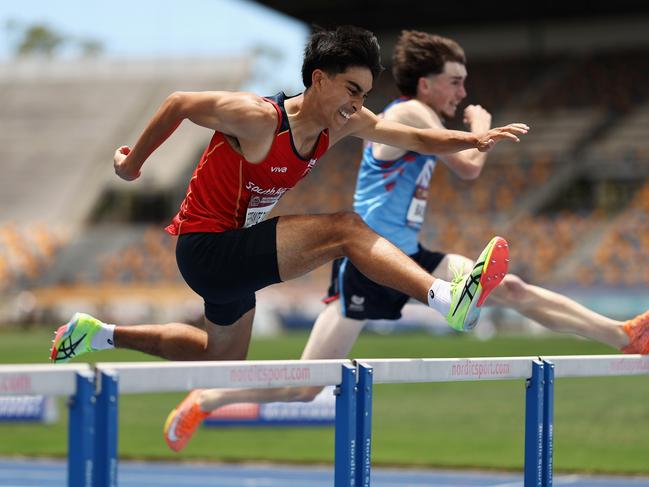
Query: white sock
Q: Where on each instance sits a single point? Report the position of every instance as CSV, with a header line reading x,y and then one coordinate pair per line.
x,y
103,339
439,296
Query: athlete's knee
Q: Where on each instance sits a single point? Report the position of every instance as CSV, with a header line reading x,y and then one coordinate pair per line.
x,y
348,226
348,221
514,284
224,349
512,291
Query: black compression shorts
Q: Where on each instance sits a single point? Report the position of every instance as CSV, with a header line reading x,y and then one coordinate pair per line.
x,y
363,299
226,268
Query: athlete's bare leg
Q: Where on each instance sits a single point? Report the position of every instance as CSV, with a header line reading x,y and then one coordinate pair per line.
x,y
332,337
548,308
558,313
303,243
307,242
178,341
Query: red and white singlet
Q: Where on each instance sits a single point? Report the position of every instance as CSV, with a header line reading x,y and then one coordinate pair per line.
x,y
227,192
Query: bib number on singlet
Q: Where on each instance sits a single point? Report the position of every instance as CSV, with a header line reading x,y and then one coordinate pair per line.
x,y
417,208
259,208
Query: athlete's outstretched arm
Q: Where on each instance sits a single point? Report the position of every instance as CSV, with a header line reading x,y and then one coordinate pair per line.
x,y
242,115
429,141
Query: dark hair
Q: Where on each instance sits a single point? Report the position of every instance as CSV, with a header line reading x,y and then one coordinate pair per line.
x,y
419,54
333,51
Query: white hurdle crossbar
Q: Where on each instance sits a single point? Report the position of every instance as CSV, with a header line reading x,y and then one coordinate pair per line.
x,y
391,371
142,377
598,365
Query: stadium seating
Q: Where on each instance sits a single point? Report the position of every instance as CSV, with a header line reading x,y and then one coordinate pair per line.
x,y
589,116
63,121
27,251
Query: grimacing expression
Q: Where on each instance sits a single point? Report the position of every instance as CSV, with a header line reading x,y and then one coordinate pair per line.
x,y
446,90
343,94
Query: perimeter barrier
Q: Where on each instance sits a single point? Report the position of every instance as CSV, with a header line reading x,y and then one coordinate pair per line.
x,y
94,396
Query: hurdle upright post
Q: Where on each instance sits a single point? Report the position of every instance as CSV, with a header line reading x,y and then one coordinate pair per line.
x,y
548,422
345,435
533,474
81,431
364,425
106,428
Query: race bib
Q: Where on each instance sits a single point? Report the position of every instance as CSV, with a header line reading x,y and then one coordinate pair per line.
x,y
259,208
417,208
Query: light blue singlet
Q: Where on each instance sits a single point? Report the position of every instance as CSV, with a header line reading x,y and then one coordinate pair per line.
x,y
391,196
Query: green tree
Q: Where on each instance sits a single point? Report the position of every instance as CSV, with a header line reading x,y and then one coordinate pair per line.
x,y
90,48
39,39
43,40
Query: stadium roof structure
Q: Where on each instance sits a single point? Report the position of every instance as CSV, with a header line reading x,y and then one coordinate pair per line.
x,y
381,15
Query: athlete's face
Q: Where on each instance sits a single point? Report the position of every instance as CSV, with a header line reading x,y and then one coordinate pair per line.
x,y
445,91
342,95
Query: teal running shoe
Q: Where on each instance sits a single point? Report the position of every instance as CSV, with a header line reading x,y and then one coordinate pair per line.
x,y
74,338
469,291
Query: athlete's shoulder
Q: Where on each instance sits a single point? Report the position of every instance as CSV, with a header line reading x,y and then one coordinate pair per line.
x,y
253,113
253,105
412,113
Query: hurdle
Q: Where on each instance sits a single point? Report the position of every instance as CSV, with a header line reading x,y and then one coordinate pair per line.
x,y
392,371
539,374
560,366
94,394
124,378
76,381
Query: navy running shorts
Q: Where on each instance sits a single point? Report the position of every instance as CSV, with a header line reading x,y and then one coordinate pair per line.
x,y
363,299
226,268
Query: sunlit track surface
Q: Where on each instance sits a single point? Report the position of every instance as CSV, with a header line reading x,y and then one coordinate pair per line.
x,y
28,473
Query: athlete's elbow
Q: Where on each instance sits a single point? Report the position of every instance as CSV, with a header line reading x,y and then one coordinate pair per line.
x,y
468,170
470,173
176,103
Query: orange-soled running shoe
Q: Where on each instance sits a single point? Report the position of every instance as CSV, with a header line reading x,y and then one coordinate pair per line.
x,y
183,421
638,331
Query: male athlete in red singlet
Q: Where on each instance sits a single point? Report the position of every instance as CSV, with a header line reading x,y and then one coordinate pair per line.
x,y
226,193
261,148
